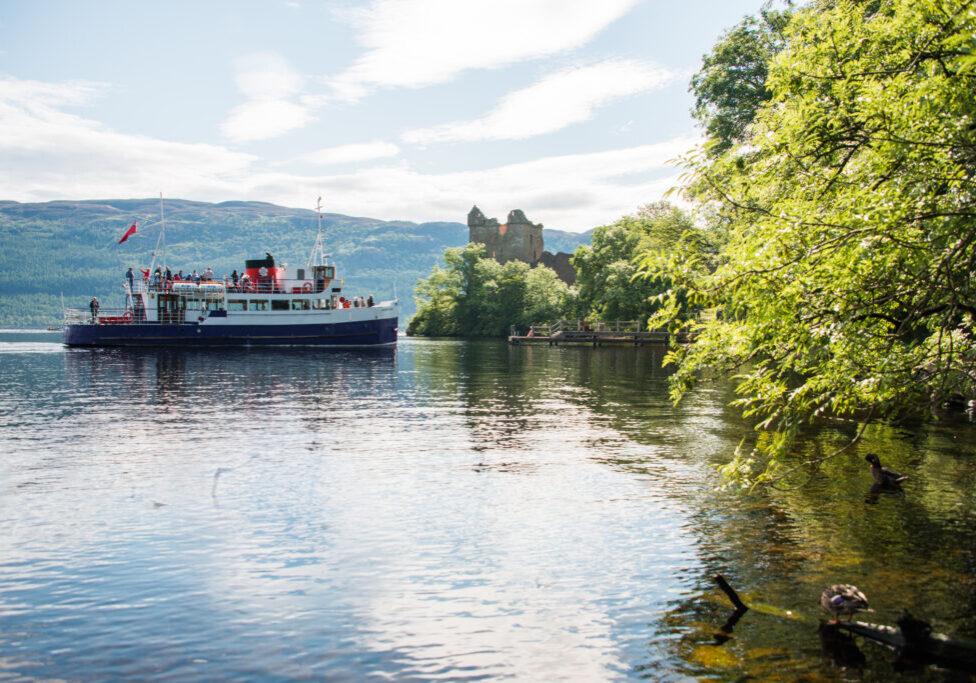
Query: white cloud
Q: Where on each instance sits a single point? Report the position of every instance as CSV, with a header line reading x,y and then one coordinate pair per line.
x,y
344,154
553,103
415,43
571,192
263,119
31,94
50,154
266,76
266,80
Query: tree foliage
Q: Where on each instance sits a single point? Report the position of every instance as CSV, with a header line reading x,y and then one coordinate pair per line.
x,y
476,296
731,85
607,268
847,284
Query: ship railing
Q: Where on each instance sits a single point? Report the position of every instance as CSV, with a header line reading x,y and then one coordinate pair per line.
x,y
103,316
267,285
270,285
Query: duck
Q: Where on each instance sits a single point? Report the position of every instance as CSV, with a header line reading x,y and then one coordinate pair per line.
x,y
884,476
843,598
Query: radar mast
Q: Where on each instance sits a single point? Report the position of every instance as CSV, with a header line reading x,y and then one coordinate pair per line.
x,y
318,257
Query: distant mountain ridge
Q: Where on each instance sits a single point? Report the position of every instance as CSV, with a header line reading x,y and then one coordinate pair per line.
x,y
69,247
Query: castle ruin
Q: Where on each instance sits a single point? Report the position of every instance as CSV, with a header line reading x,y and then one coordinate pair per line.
x,y
517,239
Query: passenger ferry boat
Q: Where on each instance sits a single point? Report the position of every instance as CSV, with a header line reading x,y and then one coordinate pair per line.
x,y
270,304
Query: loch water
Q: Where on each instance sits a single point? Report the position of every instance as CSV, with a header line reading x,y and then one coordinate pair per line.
x,y
446,510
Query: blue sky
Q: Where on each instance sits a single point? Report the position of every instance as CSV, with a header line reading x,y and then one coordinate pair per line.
x,y
392,109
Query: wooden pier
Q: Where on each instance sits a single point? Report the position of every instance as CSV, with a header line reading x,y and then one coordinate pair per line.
x,y
615,332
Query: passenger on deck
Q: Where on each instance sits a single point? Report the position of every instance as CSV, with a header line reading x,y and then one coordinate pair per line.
x,y
129,277
369,301
234,278
94,310
194,276
208,274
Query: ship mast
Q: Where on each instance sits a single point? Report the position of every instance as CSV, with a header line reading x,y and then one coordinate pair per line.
x,y
162,231
161,240
318,257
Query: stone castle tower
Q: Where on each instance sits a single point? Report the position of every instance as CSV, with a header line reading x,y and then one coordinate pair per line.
x,y
516,240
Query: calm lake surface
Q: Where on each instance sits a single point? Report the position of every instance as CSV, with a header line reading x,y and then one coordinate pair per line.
x,y
448,510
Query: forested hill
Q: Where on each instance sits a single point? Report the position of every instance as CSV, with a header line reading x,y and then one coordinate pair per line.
x,y
70,247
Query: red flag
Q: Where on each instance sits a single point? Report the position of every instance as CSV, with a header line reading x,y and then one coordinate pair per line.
x,y
128,233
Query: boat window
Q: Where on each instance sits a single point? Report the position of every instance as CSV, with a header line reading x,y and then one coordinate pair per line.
x,y
259,304
299,304
193,302
279,305
236,305
321,304
300,273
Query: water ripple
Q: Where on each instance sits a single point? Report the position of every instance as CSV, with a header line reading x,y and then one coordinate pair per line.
x,y
448,510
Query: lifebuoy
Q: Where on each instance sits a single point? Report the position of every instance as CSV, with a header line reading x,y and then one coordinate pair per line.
x,y
127,316
307,287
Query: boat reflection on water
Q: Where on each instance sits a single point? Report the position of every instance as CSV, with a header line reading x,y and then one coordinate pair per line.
x,y
209,381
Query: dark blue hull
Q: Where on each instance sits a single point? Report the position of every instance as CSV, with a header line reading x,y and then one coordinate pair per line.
x,y
363,333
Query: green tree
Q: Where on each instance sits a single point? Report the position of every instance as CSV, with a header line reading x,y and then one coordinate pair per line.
x,y
606,270
847,284
731,85
496,299
437,301
477,296
547,298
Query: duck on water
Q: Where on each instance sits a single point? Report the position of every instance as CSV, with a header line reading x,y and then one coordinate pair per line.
x,y
843,598
884,476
